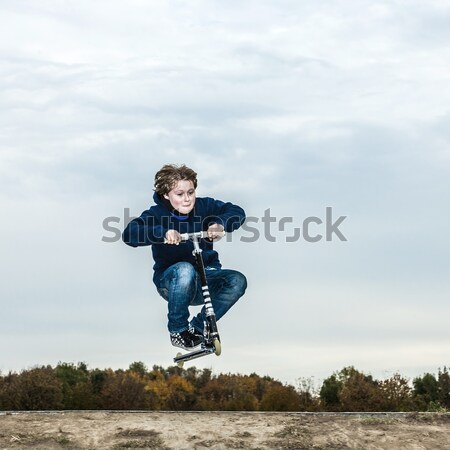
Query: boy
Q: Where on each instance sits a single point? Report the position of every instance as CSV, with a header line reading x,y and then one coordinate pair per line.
x,y
177,210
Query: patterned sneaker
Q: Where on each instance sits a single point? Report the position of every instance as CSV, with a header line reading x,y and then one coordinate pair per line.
x,y
187,339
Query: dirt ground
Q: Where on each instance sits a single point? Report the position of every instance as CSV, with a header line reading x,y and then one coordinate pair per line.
x,y
107,430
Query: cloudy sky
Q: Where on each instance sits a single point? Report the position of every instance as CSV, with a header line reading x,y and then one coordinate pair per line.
x,y
282,105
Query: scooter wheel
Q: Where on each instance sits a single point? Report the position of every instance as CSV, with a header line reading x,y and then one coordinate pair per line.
x,y
180,364
217,347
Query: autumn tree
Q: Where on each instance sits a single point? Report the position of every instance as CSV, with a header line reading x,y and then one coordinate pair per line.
x,y
7,394
124,390
279,397
34,389
396,394
359,392
157,389
351,390
70,386
180,394
228,393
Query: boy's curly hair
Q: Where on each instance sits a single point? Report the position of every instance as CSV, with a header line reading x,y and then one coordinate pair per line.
x,y
170,174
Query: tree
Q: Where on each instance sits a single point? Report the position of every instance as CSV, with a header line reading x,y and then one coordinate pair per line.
x,y
180,394
396,394
308,394
138,367
76,386
351,390
203,378
280,398
157,389
36,389
228,393
359,392
444,388
330,393
425,391
7,394
124,390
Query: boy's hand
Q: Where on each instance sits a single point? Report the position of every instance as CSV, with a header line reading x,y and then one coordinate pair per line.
x,y
172,237
215,232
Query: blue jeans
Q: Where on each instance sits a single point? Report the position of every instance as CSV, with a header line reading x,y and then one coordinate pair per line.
x,y
180,286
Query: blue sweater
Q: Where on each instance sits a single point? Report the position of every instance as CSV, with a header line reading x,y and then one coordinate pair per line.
x,y
151,226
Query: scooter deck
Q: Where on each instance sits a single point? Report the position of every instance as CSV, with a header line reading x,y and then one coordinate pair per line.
x,y
181,358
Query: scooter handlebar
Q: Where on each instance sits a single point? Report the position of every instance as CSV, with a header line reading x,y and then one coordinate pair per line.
x,y
197,235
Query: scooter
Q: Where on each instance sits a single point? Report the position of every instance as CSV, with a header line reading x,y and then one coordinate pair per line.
x,y
211,343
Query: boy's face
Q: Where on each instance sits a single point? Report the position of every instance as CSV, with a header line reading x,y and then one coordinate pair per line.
x,y
182,196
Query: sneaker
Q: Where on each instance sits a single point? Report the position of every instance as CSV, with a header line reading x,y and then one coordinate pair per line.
x,y
187,339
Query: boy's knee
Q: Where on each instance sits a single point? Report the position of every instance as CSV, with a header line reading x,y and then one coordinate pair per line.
x,y
240,283
185,273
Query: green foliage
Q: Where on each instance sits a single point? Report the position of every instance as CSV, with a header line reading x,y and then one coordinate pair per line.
x,y
330,392
74,386
431,393
425,391
138,367
444,388
426,386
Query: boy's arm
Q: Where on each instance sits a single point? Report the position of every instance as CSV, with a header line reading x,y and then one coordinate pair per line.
x,y
143,231
230,216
